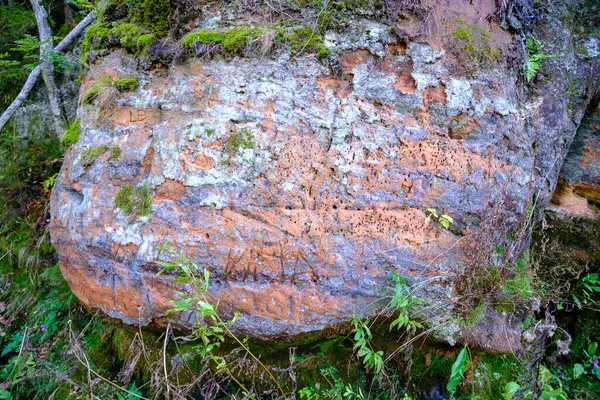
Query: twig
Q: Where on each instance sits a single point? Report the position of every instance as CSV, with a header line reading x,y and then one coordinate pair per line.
x,y
165,360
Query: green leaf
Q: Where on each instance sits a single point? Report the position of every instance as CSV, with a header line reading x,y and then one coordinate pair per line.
x,y
458,370
578,370
592,347
510,389
577,301
5,395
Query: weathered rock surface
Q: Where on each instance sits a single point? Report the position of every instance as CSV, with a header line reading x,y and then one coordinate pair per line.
x,y
300,186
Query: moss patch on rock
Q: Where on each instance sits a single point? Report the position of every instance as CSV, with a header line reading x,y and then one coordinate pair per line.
x,y
115,153
134,201
234,40
474,44
242,140
122,84
156,16
92,154
303,39
72,134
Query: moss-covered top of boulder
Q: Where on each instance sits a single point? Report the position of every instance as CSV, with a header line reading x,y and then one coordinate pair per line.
x,y
163,30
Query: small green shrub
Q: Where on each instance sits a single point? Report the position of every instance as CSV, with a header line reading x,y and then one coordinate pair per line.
x,y
134,201
72,134
92,154
405,303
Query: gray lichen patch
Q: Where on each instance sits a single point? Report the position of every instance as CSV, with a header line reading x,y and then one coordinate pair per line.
x,y
459,96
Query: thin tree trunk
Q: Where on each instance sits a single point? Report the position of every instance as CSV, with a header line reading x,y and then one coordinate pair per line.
x,y
46,48
68,12
30,83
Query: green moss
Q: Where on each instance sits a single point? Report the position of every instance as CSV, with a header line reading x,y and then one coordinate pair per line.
x,y
476,43
505,305
156,16
96,37
573,89
323,52
129,34
115,153
133,38
92,92
126,84
302,40
209,132
144,41
122,84
72,134
519,286
234,40
475,316
90,155
203,36
241,140
134,201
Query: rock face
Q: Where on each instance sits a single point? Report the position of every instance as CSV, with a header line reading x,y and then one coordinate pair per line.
x,y
302,184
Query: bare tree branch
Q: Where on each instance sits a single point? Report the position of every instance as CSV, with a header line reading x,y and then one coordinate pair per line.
x,y
30,83
46,48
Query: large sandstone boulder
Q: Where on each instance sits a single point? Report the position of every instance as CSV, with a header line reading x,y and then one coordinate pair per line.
x,y
300,183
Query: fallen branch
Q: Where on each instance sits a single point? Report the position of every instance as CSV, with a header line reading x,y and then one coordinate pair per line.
x,y
30,83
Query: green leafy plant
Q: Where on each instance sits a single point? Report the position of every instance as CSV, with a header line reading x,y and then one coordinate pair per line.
x,y
405,303
587,288
546,389
213,334
533,61
460,366
337,389
134,393
591,365
444,220
362,344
